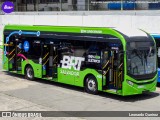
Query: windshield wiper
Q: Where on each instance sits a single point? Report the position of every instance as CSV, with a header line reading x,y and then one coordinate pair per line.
x,y
145,57
147,54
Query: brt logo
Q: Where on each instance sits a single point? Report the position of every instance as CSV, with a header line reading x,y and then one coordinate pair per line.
x,y
70,61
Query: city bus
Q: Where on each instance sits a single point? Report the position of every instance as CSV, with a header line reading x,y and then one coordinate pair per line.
x,y
112,60
157,39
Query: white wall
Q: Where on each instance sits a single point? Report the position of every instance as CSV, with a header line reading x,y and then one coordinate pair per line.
x,y
1,29
150,24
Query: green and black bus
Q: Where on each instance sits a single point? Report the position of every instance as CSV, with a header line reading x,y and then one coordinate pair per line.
x,y
112,60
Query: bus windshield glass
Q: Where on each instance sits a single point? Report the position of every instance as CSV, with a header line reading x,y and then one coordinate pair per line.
x,y
141,58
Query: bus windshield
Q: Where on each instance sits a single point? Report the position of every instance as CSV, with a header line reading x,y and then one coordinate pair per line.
x,y
141,58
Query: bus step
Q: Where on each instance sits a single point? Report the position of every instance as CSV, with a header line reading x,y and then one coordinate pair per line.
x,y
55,75
48,78
13,71
105,88
19,68
111,86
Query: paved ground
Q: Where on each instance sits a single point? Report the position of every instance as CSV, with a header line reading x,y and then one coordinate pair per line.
x,y
17,93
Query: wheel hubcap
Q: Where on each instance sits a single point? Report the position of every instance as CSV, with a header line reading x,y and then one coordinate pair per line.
x,y
29,73
91,85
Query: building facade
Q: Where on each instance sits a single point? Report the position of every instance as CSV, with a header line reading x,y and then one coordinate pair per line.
x,y
84,5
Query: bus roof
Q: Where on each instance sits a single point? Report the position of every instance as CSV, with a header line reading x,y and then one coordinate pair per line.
x,y
118,32
131,32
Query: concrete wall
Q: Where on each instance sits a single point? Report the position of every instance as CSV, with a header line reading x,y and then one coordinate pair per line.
x,y
149,23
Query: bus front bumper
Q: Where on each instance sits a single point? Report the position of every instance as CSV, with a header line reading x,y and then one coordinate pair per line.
x,y
132,88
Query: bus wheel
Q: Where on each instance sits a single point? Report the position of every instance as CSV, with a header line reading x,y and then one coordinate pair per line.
x,y
91,85
29,73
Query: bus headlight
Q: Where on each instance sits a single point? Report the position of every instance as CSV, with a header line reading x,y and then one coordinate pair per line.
x,y
130,83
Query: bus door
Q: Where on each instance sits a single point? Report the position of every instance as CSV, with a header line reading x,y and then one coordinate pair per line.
x,y
10,53
49,61
19,56
112,69
14,59
53,61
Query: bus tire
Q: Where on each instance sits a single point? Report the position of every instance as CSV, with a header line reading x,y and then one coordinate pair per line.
x,y
91,85
29,73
